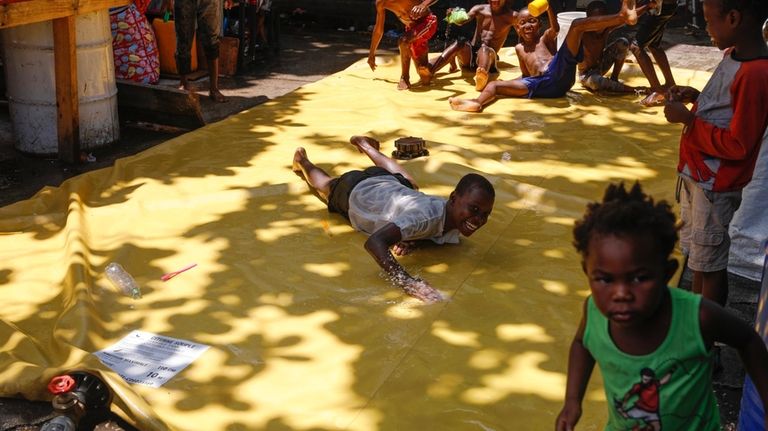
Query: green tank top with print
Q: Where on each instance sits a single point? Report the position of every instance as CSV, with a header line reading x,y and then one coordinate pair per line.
x,y
670,387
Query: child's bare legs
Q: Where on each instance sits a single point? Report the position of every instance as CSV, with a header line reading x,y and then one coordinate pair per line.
x,y
370,147
404,45
712,285
448,56
486,57
661,59
658,90
646,65
316,178
511,88
213,70
423,68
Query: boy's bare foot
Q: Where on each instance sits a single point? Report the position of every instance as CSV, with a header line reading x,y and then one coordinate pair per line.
x,y
654,99
425,75
298,157
404,84
364,141
217,97
629,12
466,105
481,78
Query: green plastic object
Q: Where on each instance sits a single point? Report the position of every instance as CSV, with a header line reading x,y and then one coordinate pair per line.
x,y
457,16
167,16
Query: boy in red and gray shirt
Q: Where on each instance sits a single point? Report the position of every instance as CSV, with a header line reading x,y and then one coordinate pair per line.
x,y
721,138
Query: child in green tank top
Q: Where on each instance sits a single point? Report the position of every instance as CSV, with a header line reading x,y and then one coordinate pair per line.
x,y
652,343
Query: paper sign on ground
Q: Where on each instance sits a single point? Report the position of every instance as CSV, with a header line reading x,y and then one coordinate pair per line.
x,y
150,359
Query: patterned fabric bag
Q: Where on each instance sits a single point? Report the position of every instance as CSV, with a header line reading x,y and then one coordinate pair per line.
x,y
134,46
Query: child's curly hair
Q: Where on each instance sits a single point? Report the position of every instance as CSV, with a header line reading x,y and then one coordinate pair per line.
x,y
624,213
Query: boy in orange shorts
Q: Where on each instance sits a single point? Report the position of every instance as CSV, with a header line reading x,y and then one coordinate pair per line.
x,y
420,26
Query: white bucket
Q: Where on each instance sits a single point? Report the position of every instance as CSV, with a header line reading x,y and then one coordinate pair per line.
x,y
565,19
31,83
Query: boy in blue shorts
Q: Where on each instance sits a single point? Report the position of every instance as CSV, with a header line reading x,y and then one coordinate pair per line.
x,y
384,202
547,73
653,343
721,139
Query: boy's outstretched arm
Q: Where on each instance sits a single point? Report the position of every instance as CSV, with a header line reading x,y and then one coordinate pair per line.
x,y
378,32
554,26
717,324
580,366
378,245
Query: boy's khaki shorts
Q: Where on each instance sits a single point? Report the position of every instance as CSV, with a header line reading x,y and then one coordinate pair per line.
x,y
704,234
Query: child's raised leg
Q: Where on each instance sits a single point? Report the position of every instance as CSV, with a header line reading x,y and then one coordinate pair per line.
x,y
370,147
486,58
316,178
627,15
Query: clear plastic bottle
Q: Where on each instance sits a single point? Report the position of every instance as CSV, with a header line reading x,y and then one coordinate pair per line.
x,y
122,280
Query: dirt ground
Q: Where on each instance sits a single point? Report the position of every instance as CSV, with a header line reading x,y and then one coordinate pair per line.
x,y
330,50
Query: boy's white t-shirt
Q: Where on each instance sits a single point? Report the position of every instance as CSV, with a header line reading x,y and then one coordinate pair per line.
x,y
377,201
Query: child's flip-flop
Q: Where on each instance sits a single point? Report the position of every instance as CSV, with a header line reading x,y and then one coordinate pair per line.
x,y
654,99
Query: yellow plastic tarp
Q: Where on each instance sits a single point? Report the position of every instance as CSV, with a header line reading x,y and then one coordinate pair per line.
x,y
304,333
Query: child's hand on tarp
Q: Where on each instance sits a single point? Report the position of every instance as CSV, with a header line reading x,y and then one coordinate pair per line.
x,y
403,248
420,289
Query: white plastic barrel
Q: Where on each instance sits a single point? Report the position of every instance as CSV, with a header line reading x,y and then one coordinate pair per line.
x,y
31,84
564,19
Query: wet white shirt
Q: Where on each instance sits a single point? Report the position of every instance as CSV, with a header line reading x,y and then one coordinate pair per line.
x,y
377,201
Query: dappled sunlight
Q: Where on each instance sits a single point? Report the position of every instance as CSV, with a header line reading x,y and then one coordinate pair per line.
x,y
304,332
441,330
527,331
554,286
564,221
405,309
328,269
522,375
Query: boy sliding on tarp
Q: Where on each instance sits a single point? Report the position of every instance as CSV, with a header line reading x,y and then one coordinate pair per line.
x,y
384,202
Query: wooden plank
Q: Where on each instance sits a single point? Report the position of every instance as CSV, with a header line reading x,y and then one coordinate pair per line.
x,y
65,66
32,11
158,104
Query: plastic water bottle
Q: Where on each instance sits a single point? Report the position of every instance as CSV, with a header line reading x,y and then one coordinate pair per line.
x,y
538,7
122,280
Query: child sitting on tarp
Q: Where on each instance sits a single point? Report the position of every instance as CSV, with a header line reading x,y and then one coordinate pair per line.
x,y
546,73
599,58
384,202
493,22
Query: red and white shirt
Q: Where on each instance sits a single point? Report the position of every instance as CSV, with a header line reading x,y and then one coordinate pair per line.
x,y
720,147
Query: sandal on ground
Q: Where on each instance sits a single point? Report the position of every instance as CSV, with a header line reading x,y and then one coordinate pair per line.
x,y
654,99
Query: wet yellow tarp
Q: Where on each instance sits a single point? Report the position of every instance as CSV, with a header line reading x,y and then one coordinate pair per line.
x,y
304,332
